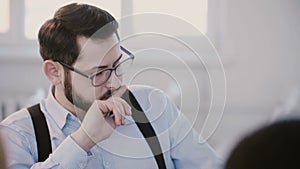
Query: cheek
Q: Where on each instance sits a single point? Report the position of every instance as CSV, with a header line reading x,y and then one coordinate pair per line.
x,y
82,87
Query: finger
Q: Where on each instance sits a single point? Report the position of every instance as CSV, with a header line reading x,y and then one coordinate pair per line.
x,y
108,114
122,120
117,114
118,107
123,115
104,107
122,112
126,107
107,108
117,119
110,121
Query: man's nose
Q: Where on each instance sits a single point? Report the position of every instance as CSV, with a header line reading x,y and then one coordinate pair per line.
x,y
113,81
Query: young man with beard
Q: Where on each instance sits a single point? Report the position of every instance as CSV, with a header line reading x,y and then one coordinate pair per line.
x,y
90,124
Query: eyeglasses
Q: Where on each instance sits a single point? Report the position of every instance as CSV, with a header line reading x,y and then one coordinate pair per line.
x,y
100,77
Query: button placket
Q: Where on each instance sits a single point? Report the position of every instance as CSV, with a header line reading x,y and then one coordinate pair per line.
x,y
107,165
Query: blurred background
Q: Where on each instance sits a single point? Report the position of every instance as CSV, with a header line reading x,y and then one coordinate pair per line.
x,y
257,43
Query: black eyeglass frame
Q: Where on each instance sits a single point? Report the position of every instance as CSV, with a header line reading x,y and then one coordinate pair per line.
x,y
95,74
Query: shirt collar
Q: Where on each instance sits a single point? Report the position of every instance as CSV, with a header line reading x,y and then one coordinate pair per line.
x,y
56,110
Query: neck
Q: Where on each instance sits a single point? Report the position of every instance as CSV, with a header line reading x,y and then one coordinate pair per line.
x,y
61,98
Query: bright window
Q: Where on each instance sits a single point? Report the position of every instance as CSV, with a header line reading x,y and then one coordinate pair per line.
x,y
37,12
4,16
193,12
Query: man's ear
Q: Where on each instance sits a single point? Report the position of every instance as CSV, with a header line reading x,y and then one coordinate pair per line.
x,y
53,71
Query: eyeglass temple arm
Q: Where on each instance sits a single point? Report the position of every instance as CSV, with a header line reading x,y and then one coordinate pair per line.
x,y
126,51
74,70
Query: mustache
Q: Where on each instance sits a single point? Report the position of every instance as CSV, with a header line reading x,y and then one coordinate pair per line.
x,y
108,94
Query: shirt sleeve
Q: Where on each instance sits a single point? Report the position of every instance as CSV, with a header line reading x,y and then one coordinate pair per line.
x,y
68,155
20,154
188,149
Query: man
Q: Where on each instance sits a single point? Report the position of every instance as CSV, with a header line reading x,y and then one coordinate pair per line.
x,y
90,125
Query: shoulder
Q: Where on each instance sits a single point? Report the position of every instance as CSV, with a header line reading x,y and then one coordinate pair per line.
x,y
148,95
19,121
143,91
153,101
19,134
141,88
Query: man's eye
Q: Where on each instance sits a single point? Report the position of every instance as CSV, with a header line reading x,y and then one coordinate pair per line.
x,y
96,71
99,73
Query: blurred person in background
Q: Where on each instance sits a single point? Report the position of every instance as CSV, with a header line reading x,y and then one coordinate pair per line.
x,y
275,146
2,155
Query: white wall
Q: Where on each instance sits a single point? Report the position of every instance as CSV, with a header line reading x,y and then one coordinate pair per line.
x,y
260,41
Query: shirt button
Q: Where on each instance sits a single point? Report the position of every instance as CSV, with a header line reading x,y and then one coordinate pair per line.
x,y
107,165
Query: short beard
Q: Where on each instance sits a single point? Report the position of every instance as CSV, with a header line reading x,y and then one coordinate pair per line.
x,y
75,99
72,96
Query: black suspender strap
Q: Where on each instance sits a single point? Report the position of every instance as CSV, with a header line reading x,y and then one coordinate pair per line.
x,y
43,137
146,128
41,130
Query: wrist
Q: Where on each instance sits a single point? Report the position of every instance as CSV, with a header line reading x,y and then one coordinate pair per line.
x,y
82,139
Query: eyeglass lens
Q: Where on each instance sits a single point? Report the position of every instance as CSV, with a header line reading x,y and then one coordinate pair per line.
x,y
120,69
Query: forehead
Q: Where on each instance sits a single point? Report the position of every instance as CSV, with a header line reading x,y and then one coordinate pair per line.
x,y
97,51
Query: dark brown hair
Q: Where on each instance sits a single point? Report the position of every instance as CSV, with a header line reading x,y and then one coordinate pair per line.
x,y
57,36
273,147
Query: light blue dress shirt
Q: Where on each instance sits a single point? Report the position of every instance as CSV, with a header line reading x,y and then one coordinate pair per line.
x,y
124,149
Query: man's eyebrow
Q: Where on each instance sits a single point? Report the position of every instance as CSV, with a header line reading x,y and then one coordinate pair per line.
x,y
105,66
